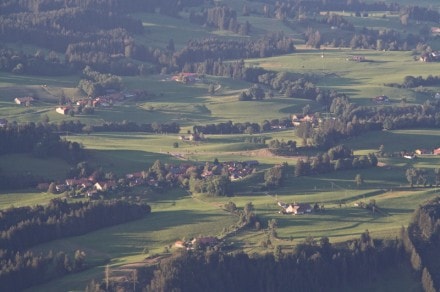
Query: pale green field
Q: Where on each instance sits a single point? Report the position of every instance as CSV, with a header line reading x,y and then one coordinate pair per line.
x,y
360,81
23,198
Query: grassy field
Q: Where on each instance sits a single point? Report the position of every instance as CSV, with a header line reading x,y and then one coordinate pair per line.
x,y
360,80
191,105
176,215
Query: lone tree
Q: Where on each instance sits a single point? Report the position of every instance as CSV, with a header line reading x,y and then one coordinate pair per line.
x,y
52,188
211,89
411,174
359,180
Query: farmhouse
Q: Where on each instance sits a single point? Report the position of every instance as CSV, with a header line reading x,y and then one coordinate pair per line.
x,y
298,209
193,137
356,58
185,78
64,110
298,119
381,99
422,151
180,244
27,100
435,30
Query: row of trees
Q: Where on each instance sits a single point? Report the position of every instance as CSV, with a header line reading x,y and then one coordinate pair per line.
x,y
422,177
25,227
228,128
38,139
322,163
412,81
44,132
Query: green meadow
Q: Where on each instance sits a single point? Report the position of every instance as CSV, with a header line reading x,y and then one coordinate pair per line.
x,y
177,215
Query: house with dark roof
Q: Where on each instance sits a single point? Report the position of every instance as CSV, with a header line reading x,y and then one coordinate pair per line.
x,y
27,100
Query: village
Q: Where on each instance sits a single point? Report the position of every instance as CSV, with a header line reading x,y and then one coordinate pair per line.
x,y
95,186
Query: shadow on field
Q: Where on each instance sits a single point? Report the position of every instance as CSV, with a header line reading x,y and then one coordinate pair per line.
x,y
395,211
148,229
343,81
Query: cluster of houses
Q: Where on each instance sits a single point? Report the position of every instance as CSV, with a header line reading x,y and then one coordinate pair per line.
x,y
419,152
295,208
236,169
91,187
186,77
430,57
87,187
110,98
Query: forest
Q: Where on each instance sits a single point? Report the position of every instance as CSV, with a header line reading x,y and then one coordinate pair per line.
x,y
79,33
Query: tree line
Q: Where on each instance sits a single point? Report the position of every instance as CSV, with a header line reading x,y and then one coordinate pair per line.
x,y
314,265
25,227
39,139
31,137
228,128
412,82
336,159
